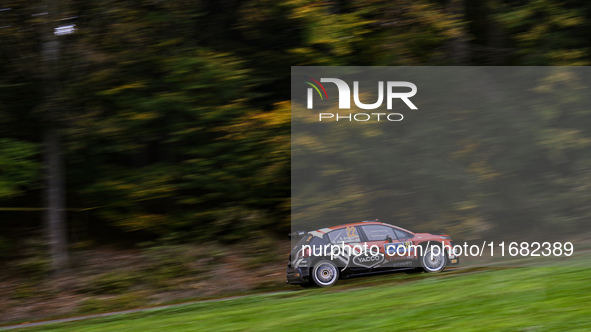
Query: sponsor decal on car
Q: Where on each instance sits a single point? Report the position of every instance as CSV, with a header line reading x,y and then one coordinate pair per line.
x,y
402,264
399,249
301,263
368,261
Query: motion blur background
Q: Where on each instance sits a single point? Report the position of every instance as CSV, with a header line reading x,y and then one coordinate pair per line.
x,y
482,158
145,145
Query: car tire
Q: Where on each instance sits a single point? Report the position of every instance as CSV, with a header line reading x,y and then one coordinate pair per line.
x,y
325,273
433,263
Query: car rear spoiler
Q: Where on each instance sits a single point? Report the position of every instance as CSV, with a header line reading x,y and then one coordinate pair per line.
x,y
298,234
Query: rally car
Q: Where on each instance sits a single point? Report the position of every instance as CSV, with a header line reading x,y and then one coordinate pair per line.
x,y
321,257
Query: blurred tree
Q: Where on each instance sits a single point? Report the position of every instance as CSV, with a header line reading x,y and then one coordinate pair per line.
x,y
545,32
52,108
19,169
174,116
32,53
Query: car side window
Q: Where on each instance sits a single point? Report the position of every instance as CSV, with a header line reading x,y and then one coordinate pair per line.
x,y
346,235
378,232
402,235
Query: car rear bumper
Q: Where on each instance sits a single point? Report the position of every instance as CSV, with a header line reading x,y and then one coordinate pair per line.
x,y
297,275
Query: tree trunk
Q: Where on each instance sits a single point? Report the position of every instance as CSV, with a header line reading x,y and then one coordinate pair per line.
x,y
55,184
56,203
496,38
460,51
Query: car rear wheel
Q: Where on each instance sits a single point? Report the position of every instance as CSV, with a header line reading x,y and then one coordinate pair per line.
x,y
434,261
325,273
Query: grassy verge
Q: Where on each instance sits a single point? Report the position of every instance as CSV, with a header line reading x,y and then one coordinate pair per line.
x,y
521,299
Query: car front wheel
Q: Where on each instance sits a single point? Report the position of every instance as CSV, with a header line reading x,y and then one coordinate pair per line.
x,y
325,273
434,260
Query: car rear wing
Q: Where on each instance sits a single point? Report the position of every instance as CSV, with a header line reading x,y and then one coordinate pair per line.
x,y
297,234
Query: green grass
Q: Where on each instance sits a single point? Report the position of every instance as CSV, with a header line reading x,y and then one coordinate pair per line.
x,y
520,299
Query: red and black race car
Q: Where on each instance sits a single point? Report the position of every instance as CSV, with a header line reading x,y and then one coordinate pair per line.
x,y
324,255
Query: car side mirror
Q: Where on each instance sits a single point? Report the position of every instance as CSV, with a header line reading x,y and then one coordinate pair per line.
x,y
389,239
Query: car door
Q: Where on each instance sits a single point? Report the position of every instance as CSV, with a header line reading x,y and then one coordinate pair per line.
x,y
384,238
407,240
349,237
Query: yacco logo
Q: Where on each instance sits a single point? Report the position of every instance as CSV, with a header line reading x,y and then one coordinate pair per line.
x,y
345,93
